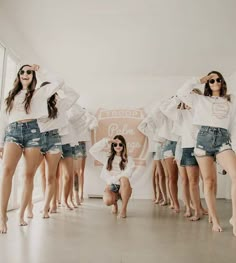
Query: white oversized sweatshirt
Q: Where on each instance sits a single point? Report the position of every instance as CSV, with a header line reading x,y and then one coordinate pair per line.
x,y
63,105
113,176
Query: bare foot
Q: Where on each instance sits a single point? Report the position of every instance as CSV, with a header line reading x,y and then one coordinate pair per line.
x,y
122,214
216,228
187,213
73,204
45,215
53,210
114,209
209,219
204,211
195,218
171,206
164,203
68,206
3,224
30,211
23,222
234,226
177,210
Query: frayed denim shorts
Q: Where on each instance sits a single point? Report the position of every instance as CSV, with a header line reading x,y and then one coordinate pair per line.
x,y
211,141
169,149
66,151
188,157
24,134
51,142
81,150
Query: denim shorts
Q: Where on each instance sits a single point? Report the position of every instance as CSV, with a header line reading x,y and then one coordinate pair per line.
x,y
211,141
115,188
188,157
66,151
51,142
24,134
169,149
158,155
81,150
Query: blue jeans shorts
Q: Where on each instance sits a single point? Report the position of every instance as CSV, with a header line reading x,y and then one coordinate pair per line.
x,y
115,188
169,149
66,151
81,150
211,141
188,157
51,142
24,134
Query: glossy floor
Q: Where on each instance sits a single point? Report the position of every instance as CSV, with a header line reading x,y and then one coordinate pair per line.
x,y
91,233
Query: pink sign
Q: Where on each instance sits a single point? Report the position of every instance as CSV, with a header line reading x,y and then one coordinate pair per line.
x,y
124,122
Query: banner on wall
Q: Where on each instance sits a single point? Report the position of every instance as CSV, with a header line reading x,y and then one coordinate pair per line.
x,y
125,123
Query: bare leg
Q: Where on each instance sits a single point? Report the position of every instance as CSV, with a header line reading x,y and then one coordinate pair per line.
x,y
53,208
227,160
81,163
154,181
110,198
51,163
125,192
173,180
186,193
207,167
11,157
32,157
162,182
167,182
193,176
67,169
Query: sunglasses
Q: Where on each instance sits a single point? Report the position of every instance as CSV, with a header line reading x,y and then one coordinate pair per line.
x,y
212,81
28,72
116,144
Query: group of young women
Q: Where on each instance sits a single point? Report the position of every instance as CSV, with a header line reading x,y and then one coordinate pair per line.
x,y
191,131
42,124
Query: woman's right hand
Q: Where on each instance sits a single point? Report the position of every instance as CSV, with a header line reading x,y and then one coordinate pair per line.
x,y
35,67
204,80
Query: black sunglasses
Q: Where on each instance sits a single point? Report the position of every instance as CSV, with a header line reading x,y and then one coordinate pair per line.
x,y
116,144
212,81
28,72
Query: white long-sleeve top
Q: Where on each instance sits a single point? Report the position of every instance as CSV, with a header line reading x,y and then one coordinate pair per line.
x,y
38,106
148,128
113,176
83,122
63,105
188,131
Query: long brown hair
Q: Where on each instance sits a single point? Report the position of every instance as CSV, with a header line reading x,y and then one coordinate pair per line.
x,y
17,87
124,156
223,90
52,102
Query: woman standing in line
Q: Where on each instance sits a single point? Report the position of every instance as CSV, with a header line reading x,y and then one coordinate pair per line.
x,y
215,114
22,135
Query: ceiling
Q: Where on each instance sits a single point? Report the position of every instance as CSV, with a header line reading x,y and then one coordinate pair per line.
x,y
129,37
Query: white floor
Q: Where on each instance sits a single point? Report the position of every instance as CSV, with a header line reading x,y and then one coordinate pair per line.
x,y
91,233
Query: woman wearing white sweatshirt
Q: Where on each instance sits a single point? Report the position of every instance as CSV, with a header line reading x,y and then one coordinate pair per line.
x,y
215,114
116,172
51,148
22,134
